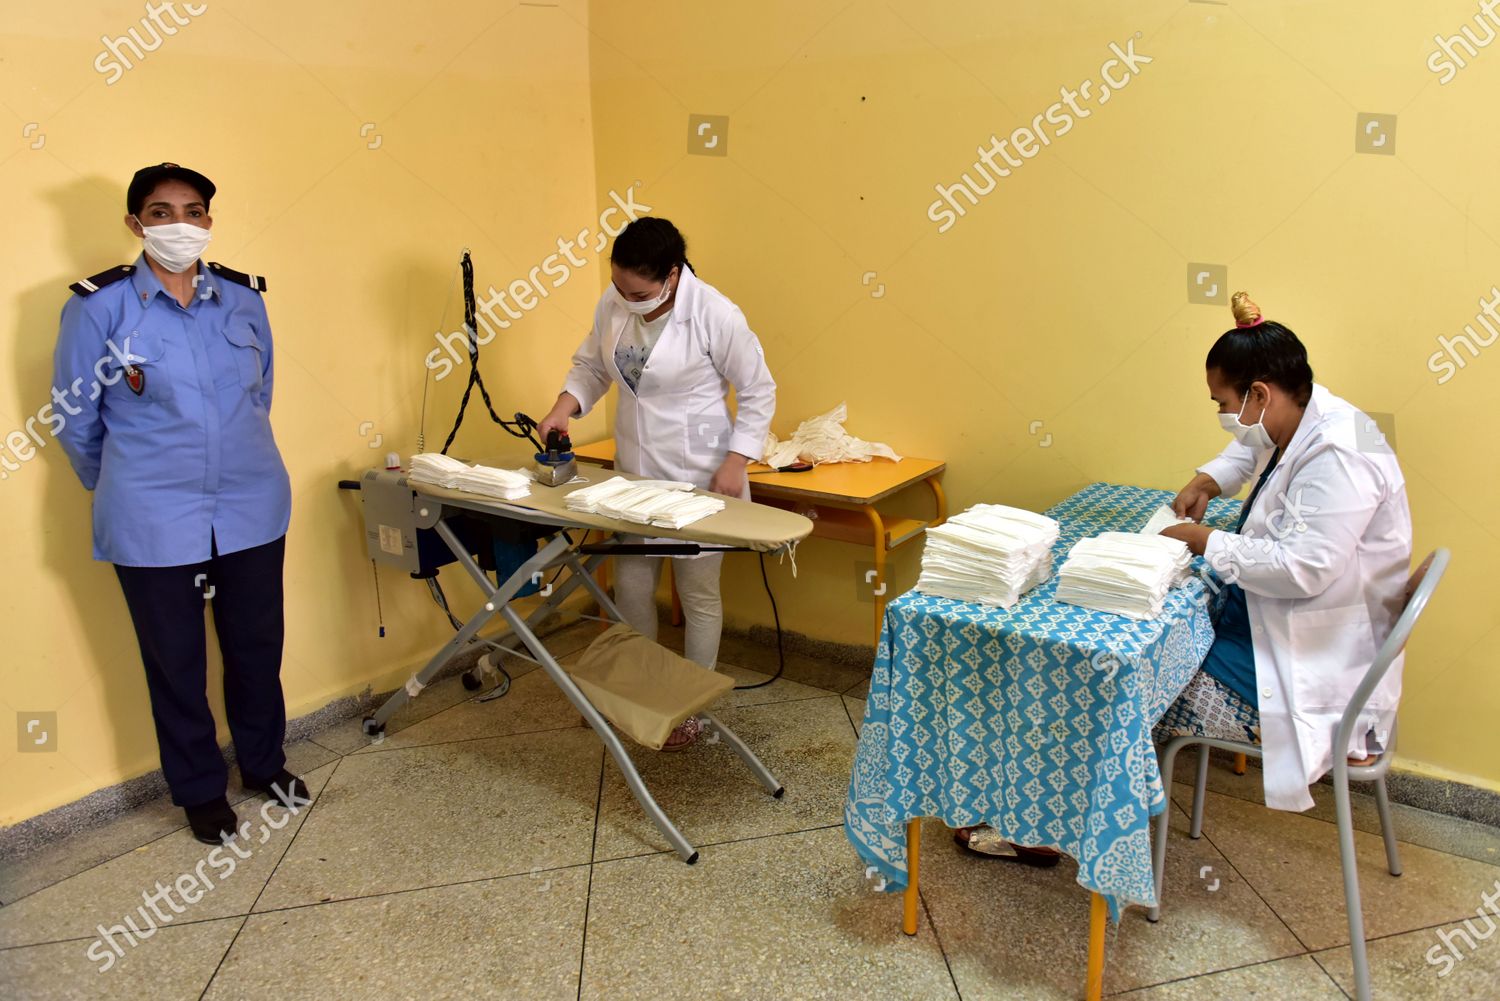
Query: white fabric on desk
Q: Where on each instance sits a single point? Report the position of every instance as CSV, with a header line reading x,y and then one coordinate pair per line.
x,y
1122,572
1163,517
990,554
823,439
446,471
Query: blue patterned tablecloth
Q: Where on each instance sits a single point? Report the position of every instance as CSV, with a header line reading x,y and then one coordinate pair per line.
x,y
1036,720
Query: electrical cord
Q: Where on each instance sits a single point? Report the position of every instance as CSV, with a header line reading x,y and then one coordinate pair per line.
x,y
522,426
780,654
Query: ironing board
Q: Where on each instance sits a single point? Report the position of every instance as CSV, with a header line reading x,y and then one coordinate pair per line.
x,y
389,495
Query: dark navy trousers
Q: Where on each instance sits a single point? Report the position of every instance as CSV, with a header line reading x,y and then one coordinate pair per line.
x,y
166,605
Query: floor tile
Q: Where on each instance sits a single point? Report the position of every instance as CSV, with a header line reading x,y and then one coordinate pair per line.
x,y
107,893
1295,979
774,918
519,937
173,964
1012,931
533,703
856,709
446,813
782,689
711,796
1293,862
1435,963
21,875
1453,835
349,736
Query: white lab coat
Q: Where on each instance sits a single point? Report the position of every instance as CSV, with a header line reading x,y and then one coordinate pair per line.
x,y
1323,559
676,424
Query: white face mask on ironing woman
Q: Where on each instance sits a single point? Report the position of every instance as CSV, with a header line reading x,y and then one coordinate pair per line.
x,y
627,284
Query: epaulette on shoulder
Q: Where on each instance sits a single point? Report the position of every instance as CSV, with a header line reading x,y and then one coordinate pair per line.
x,y
255,282
88,286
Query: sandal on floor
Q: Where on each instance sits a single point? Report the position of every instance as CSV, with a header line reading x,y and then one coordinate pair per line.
x,y
685,735
986,842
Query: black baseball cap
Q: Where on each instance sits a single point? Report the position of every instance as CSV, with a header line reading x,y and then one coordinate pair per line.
x,y
147,178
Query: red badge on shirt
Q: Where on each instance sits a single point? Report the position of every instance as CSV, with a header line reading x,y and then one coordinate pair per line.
x,y
135,378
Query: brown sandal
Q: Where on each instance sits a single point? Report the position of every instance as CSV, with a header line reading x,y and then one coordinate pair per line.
x,y
986,842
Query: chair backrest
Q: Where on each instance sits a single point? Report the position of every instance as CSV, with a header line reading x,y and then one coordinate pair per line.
x,y
1423,581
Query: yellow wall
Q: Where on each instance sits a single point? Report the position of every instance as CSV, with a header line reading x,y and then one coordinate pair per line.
x,y
1062,297
482,138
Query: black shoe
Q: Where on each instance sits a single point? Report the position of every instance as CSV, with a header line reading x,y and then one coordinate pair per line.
x,y
214,822
284,787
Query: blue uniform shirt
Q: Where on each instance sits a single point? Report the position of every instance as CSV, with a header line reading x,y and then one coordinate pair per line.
x,y
191,457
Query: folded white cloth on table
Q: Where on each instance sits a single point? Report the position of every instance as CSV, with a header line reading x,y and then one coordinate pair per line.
x,y
990,555
823,439
446,471
662,503
1163,517
1123,572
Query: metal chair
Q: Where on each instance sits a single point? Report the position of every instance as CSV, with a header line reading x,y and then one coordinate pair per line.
x,y
1419,589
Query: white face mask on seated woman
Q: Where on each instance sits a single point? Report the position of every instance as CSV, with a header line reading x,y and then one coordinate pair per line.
x,y
1250,435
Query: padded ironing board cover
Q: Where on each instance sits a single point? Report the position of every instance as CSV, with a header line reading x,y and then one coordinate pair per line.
x,y
642,687
742,523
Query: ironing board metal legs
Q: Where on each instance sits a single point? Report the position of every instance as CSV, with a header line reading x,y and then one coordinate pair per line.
x,y
559,552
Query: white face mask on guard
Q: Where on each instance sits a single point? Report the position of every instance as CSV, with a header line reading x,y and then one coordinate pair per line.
x,y
176,246
648,305
1251,435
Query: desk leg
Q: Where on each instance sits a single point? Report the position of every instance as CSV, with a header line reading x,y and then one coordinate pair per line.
x,y
1098,922
877,525
909,900
941,499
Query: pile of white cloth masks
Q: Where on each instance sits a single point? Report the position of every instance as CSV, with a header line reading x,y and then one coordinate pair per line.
x,y
823,439
446,471
1123,572
989,555
662,503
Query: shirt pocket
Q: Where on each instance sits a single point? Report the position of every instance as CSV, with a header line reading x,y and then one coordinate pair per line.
x,y
137,369
1332,649
249,355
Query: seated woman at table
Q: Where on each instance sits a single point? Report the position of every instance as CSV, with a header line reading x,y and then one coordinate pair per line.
x,y
1315,571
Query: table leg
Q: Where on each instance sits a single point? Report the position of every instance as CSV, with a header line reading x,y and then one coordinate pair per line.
x,y
909,899
942,501
1098,922
877,525
1239,764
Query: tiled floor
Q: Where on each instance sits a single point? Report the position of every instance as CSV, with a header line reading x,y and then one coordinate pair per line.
x,y
491,850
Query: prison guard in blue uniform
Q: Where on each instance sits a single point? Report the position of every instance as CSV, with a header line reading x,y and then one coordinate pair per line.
x,y
167,421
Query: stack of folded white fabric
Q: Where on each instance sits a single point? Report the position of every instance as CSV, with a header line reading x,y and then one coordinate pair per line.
x,y
445,471
990,555
1123,572
661,503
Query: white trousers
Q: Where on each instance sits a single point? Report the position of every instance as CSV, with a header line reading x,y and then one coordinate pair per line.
x,y
697,581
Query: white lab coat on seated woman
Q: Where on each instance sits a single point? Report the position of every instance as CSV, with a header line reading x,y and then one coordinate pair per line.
x,y
676,424
1323,559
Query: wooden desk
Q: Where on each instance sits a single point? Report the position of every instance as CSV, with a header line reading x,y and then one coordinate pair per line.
x,y
844,496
